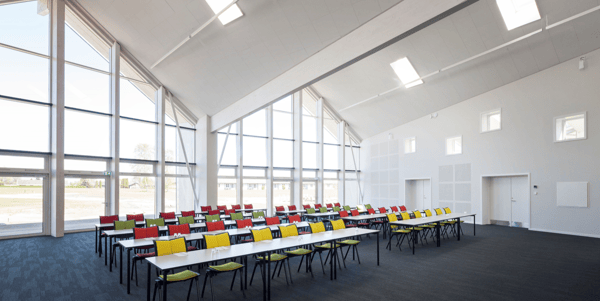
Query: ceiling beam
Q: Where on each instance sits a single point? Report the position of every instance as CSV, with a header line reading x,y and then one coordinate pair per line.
x,y
356,45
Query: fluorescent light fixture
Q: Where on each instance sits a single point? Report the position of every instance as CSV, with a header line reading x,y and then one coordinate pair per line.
x,y
229,15
406,72
518,12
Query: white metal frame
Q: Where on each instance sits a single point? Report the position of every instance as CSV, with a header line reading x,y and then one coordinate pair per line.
x,y
554,131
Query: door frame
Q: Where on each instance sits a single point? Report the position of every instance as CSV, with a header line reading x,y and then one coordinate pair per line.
x,y
430,189
484,208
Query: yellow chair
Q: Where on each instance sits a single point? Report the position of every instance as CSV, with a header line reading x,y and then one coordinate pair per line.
x,y
351,243
428,228
445,224
212,241
394,231
318,228
169,247
291,231
448,211
279,259
406,216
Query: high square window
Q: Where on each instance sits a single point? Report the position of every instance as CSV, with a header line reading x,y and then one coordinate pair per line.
x,y
570,127
491,121
454,145
410,145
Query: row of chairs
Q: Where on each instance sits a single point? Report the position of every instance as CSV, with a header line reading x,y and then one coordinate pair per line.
x,y
224,207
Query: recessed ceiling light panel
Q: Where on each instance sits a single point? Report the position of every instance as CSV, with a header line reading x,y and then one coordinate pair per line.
x,y
518,12
406,72
229,15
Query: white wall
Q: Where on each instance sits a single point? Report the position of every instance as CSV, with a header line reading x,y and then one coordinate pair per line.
x,y
524,145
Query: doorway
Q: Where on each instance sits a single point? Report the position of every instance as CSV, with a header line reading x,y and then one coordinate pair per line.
x,y
417,194
507,199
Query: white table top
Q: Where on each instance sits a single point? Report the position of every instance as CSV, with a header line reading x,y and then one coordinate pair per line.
x,y
291,211
431,219
365,217
210,255
321,214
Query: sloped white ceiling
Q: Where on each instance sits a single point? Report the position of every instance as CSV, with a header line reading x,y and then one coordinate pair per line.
x,y
466,33
222,64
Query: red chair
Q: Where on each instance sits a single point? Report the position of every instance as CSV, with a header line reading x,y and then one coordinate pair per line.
x,y
229,211
223,208
188,213
403,208
371,211
181,229
248,206
109,219
215,226
317,206
306,206
364,225
337,205
140,233
296,218
279,208
167,215
354,212
243,223
135,217
292,207
382,210
205,208
329,205
345,214
394,209
213,212
379,222
237,207
272,221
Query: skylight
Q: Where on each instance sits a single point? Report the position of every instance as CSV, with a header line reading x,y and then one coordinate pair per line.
x,y
518,12
229,15
406,72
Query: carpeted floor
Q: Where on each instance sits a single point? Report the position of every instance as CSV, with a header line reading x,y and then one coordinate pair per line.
x,y
500,263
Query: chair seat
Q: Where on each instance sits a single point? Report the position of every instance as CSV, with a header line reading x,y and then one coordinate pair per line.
x,y
415,228
274,257
327,246
145,255
451,222
349,242
401,231
192,248
303,232
230,266
350,225
363,224
298,252
427,226
181,276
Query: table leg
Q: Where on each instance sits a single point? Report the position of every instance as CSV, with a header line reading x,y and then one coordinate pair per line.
x,y
246,268
129,271
437,231
120,265
334,257
96,241
149,277
165,273
330,264
110,254
268,276
378,248
473,225
458,228
415,237
105,252
262,272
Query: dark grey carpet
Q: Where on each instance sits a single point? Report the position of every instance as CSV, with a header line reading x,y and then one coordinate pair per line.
x,y
499,263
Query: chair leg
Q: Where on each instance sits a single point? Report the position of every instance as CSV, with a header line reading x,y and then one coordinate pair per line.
x,y
275,269
190,290
290,268
242,284
338,257
300,265
212,289
204,286
357,257
253,271
233,280
197,288
322,266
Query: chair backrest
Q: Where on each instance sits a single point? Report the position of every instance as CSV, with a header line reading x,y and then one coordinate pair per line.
x,y
438,211
123,225
272,221
258,214
306,206
236,216
156,222
310,210
347,208
139,233
342,213
168,247
249,206
382,210
221,208
371,211
336,209
215,226
329,205
337,204
243,223
317,206
181,229
392,217
405,215
294,218
427,212
403,208
337,224
394,209
188,213
317,227
262,234
287,231
108,219
167,215
292,207
322,209
135,217
205,208
237,207
212,218
186,220
447,210
229,211
213,212
368,206
279,208
354,212
217,240
417,213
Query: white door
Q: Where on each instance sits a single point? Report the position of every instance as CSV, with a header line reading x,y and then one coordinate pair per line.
x,y
426,195
520,202
418,195
500,195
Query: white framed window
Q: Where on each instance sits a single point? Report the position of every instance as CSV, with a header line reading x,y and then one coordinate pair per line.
x,y
454,145
570,127
410,145
491,121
